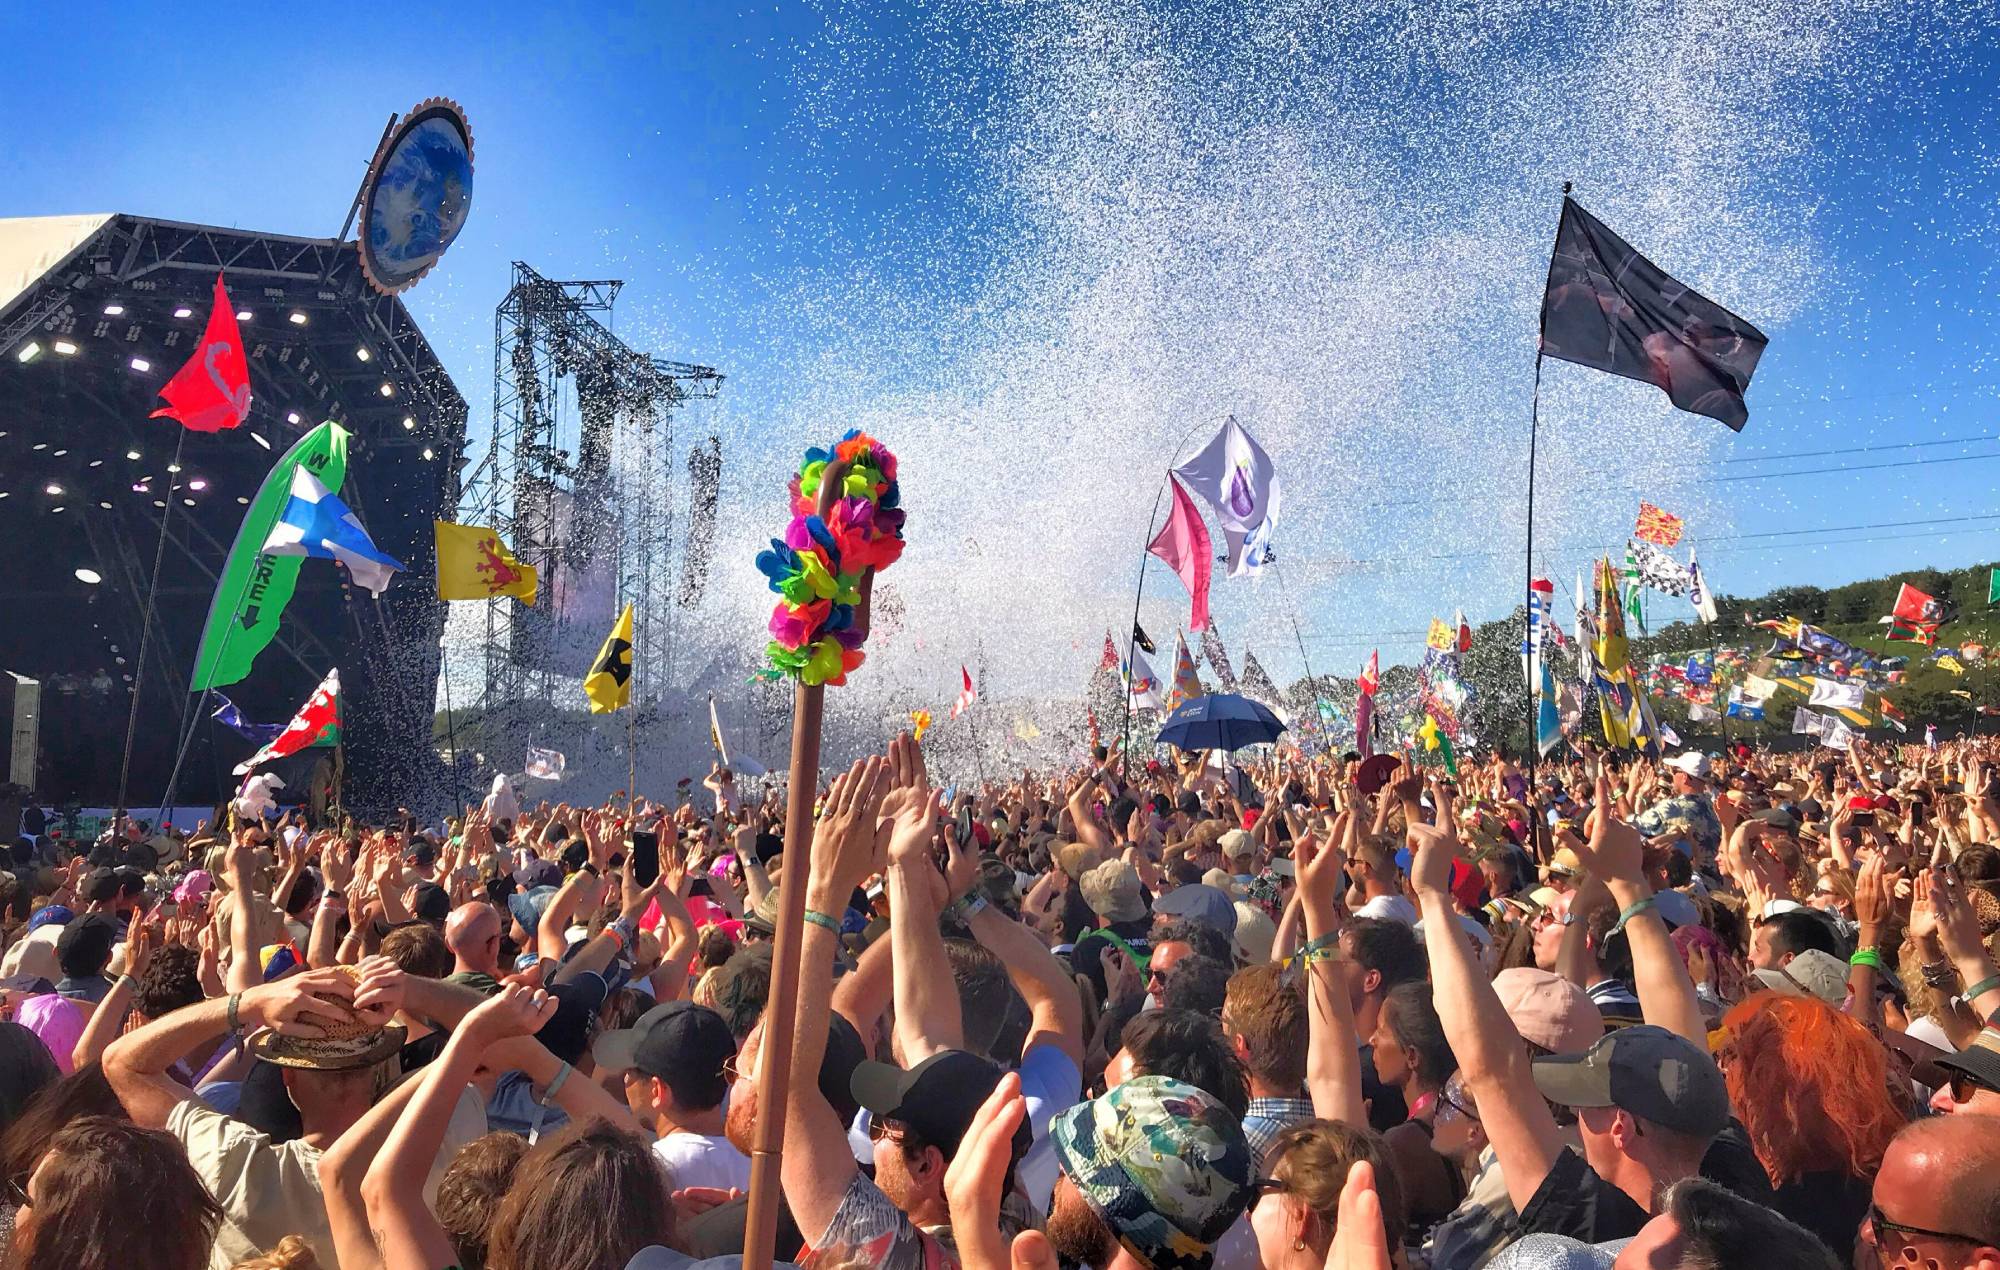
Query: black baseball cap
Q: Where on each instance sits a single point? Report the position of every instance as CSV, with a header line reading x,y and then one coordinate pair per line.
x,y
937,1098
422,853
680,1042
432,903
1648,1071
100,885
85,945
567,1033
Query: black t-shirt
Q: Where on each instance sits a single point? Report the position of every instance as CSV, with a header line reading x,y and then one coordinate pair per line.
x,y
1087,958
1573,1200
1386,1108
1830,1204
1076,915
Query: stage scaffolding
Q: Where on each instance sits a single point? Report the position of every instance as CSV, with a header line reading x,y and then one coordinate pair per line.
x,y
579,480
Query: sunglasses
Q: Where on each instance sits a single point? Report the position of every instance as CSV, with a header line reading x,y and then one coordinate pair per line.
x,y
1450,1109
1877,1224
1267,1186
1964,1086
881,1130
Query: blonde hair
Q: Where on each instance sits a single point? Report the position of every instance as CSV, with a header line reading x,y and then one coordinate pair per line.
x,y
292,1253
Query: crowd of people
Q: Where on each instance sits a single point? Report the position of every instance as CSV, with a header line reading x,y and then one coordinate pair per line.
x,y
1293,1011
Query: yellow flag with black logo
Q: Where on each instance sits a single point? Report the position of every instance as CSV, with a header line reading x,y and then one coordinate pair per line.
x,y
473,564
609,683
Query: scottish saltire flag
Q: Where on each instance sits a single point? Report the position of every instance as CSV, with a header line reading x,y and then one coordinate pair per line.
x,y
230,717
316,523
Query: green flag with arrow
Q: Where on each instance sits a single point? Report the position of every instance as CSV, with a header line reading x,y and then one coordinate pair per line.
x,y
255,587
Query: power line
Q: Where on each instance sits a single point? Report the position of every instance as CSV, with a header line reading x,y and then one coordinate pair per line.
x,y
1858,449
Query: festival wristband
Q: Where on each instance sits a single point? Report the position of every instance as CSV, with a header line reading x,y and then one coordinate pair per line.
x,y
1633,910
556,1084
822,920
1866,957
1982,987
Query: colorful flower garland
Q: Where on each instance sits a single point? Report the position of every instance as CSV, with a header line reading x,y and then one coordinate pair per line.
x,y
821,568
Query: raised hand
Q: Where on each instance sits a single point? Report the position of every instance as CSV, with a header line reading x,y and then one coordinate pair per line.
x,y
843,845
302,1004
1320,869
515,1010
973,1180
1359,1240
909,808
378,990
1615,851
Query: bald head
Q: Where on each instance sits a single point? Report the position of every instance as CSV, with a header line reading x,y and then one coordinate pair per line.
x,y
1944,1174
472,933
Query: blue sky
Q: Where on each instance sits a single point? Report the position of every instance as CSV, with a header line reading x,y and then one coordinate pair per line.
x,y
985,230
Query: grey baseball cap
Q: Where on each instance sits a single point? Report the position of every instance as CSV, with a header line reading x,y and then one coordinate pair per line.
x,y
1647,1071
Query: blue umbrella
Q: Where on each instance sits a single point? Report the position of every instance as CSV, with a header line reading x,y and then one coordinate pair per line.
x,y
1220,721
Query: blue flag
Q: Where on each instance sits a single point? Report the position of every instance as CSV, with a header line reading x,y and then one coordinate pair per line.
x,y
1548,717
316,523
230,717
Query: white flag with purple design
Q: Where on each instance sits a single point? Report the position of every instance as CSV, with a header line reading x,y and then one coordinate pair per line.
x,y
1237,478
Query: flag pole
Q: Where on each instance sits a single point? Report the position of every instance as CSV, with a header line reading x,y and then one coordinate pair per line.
x,y
1311,686
1534,432
451,724
146,624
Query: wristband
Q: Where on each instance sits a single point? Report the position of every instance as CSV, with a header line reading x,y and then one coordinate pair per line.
x,y
1633,910
820,919
235,1024
1983,986
562,1075
1866,957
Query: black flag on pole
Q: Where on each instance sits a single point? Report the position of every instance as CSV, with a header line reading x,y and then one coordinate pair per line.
x,y
1139,638
1610,308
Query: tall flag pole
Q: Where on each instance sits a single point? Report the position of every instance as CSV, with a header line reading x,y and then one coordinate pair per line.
x,y
1534,430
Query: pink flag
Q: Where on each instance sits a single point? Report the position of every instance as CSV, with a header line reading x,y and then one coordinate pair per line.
x,y
1183,543
212,391
966,695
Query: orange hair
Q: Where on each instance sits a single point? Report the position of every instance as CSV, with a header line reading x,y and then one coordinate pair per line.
x,y
1810,1085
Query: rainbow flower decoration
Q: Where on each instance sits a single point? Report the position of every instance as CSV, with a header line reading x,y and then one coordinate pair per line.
x,y
819,569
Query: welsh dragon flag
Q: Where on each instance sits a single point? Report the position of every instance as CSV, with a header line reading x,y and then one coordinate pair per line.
x,y
316,723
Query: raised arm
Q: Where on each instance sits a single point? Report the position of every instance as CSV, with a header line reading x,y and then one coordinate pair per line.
x,y
1491,1055
864,992
1666,994
1055,1010
927,1009
818,1166
1333,1054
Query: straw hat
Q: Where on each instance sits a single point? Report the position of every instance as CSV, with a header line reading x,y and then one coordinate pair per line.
x,y
348,1045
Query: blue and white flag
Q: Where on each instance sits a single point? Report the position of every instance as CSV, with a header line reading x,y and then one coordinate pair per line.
x,y
316,523
230,717
1548,716
1741,709
1698,593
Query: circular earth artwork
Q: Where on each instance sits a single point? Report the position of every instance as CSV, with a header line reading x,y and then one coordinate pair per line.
x,y
418,195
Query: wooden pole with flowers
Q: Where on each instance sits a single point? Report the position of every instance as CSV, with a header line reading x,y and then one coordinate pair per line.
x,y
847,523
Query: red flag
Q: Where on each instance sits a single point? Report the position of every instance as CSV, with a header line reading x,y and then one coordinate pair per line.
x,y
1110,659
966,695
1371,678
1183,544
1657,526
212,391
1464,633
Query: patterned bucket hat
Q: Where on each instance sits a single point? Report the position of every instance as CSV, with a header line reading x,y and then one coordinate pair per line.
x,y
1163,1163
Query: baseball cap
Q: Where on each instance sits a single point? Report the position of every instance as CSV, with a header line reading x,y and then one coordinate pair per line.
x,y
1676,909
567,1033
675,1041
538,873
1692,763
1776,817
1979,1060
527,907
1647,1071
1254,935
100,885
1237,843
85,945
1202,904
1112,1149
1812,973
937,1098
1549,1010
1112,891
431,904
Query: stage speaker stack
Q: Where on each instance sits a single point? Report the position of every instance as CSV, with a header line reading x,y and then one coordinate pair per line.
x,y
21,711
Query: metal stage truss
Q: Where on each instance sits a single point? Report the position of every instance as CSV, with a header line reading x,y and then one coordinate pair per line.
x,y
580,481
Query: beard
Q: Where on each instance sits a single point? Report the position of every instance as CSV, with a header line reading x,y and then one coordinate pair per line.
x,y
1076,1232
739,1123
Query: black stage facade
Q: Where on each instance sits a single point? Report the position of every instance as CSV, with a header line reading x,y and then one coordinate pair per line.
x,y
96,313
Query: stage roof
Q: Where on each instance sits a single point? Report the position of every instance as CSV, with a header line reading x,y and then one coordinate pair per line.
x,y
96,313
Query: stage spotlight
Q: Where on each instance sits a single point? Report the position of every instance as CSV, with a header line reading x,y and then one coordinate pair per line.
x,y
59,453
428,453
29,352
244,315
183,313
92,576
95,463
241,499
292,418
259,439
173,467
141,364
198,483
114,310
105,506
188,501
363,353
409,424
52,489
298,319
66,348
388,390
39,446
132,454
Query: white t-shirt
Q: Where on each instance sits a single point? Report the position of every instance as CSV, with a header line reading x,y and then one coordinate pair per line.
x,y
1394,907
696,1159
